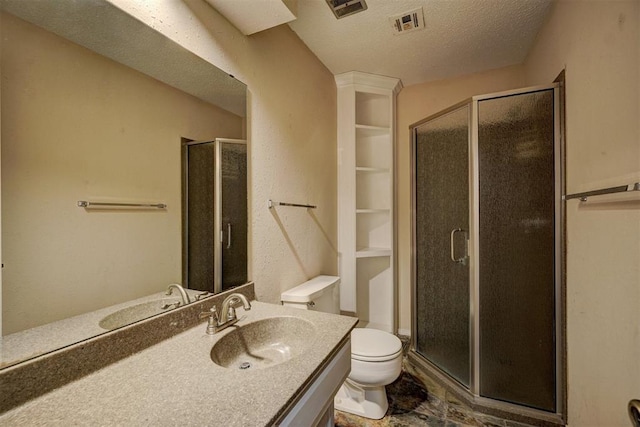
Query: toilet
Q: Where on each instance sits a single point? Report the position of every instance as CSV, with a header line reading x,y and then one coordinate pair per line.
x,y
376,356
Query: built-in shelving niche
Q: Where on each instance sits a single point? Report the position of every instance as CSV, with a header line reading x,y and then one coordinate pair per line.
x,y
366,111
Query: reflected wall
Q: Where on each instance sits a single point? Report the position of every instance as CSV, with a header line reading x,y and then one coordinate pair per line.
x,y
77,126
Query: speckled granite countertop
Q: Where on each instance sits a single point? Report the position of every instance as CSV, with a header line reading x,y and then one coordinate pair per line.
x,y
34,342
176,383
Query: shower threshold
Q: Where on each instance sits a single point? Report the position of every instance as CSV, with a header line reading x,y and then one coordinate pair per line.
x,y
446,388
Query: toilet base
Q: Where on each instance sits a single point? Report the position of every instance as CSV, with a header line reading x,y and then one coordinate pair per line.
x,y
367,402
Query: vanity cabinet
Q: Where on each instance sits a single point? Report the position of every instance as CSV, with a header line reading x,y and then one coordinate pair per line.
x,y
315,406
366,197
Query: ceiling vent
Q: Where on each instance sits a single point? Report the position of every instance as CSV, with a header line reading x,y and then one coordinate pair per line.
x,y
408,21
342,8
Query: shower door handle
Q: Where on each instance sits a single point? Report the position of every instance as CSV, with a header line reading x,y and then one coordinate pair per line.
x,y
462,260
229,236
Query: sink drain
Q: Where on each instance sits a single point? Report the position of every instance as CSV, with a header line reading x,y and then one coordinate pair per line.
x,y
245,365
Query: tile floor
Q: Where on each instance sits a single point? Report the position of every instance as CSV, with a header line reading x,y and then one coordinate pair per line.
x,y
410,404
419,402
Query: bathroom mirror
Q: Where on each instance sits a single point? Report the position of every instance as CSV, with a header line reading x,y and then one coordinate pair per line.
x,y
95,105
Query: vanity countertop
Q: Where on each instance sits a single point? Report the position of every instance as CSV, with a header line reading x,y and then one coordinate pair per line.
x,y
40,340
175,382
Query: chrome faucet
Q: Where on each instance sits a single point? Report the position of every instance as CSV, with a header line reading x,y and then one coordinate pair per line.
x,y
227,315
228,311
183,293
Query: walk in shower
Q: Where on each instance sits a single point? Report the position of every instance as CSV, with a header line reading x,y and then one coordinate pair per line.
x,y
214,212
487,250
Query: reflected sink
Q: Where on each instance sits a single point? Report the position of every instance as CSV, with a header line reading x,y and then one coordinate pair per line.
x,y
137,312
263,343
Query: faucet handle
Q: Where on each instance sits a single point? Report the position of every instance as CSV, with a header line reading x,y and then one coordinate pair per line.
x,y
199,296
212,314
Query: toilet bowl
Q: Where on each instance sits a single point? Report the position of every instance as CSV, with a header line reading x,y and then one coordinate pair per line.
x,y
376,360
376,356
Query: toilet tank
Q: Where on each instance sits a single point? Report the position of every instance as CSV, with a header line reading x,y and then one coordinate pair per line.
x,y
320,293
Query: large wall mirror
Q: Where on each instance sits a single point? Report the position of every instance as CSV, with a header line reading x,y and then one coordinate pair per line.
x,y
97,106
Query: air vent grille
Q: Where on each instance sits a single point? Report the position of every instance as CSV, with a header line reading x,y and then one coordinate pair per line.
x,y
408,21
342,8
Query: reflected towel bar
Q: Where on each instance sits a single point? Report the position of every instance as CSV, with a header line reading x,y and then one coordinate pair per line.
x,y
295,205
611,190
86,204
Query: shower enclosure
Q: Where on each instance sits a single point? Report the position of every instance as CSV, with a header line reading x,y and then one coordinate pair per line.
x,y
214,212
487,250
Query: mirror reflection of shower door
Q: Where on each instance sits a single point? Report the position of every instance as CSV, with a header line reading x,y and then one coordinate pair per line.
x,y
198,207
442,223
233,219
214,214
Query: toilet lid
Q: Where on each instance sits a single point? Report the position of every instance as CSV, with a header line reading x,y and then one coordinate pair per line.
x,y
374,345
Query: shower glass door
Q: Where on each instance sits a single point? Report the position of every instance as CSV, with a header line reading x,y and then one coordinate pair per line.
x,y
517,248
214,212
441,153
233,191
488,303
198,209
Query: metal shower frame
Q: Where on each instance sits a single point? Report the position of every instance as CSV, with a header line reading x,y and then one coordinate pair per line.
x,y
472,394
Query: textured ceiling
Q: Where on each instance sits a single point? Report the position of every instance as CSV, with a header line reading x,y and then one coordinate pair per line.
x,y
254,16
105,29
460,36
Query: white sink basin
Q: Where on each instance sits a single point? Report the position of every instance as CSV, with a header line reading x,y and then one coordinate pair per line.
x,y
263,343
137,312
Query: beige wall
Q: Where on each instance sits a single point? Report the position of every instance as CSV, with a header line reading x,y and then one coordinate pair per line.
x,y
292,110
291,133
78,126
599,44
417,102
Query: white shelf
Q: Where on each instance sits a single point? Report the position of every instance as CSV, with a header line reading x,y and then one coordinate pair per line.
x,y
372,170
366,130
373,252
372,211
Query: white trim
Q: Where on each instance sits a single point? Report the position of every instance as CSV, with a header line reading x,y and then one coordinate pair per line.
x,y
359,78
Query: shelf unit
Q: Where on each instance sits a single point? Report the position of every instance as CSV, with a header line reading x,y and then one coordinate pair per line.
x,y
366,182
